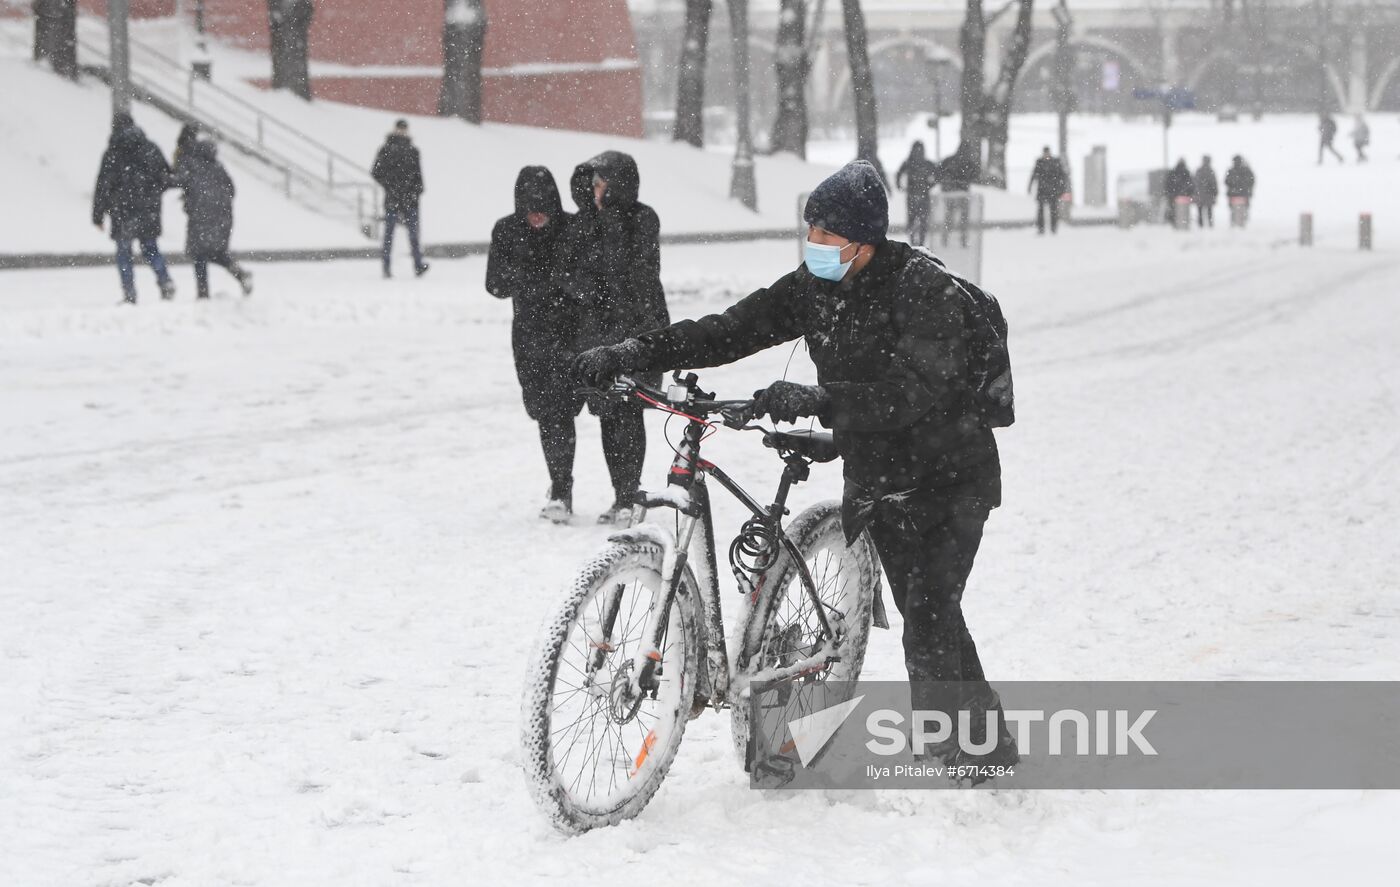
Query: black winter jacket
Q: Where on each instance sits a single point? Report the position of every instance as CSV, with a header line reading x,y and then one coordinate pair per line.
x,y
1178,182
399,171
610,259
890,351
208,200
917,175
520,267
1049,179
130,184
1239,181
1206,184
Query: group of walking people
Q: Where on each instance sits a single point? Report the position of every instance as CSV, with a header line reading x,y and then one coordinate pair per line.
x,y
919,175
1327,131
579,280
127,202
1183,188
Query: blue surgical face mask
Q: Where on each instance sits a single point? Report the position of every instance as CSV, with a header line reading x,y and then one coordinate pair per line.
x,y
825,261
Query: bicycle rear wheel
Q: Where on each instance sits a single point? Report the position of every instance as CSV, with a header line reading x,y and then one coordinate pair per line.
x,y
782,628
594,753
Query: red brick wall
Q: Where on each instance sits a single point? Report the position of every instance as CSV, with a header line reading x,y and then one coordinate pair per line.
x,y
408,33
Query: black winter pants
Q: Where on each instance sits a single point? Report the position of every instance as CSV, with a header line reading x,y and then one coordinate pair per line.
x,y
624,449
918,220
927,550
1052,204
559,440
201,271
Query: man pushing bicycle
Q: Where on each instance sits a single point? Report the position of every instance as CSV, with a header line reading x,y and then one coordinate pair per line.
x,y
912,378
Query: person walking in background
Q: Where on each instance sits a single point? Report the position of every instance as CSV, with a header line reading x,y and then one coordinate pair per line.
x,y
131,180
189,134
955,175
1326,132
1239,190
917,176
520,267
1360,137
399,171
1207,192
1180,190
610,266
209,210
1048,178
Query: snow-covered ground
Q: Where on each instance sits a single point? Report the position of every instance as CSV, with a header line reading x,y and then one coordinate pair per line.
x,y
270,573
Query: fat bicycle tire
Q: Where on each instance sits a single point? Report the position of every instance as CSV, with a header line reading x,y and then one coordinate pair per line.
x,y
645,762
778,602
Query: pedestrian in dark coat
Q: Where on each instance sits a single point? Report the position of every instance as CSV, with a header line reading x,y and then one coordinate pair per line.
x,y
956,174
209,214
917,176
520,267
1207,192
131,181
1179,185
610,266
885,326
399,171
1326,132
1050,183
1239,190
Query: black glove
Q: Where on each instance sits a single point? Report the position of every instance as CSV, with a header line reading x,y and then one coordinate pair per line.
x,y
597,367
786,401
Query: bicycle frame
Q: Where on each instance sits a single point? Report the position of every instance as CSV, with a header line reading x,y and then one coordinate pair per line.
x,y
688,473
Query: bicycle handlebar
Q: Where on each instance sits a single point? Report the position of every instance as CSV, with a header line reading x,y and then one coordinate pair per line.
x,y
686,397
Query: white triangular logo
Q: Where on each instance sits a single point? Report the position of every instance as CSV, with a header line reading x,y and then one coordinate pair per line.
x,y
812,732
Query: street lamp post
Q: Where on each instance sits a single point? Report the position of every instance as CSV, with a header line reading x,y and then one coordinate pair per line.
x,y
119,55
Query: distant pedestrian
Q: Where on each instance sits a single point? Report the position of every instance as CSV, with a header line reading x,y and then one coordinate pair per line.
x,y
209,210
1326,132
1050,183
1360,137
189,134
609,264
1180,190
544,331
956,173
131,180
1239,190
1207,192
399,170
917,176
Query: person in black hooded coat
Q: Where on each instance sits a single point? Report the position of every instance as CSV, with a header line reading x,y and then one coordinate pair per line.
x,y
917,176
609,264
131,181
520,267
209,210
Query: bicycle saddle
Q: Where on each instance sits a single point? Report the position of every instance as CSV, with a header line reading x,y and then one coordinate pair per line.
x,y
819,446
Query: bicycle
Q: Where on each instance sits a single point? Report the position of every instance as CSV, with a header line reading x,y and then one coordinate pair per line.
x,y
637,648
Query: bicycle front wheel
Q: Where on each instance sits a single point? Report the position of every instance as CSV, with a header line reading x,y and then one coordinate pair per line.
x,y
783,631
595,751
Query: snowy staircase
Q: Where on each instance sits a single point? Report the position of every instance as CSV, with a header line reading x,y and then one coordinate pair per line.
x,y
306,171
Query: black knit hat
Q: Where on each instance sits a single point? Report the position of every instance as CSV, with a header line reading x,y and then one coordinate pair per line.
x,y
851,203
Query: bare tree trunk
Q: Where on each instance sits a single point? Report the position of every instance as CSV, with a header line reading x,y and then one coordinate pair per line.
x,y
742,183
690,83
289,24
972,42
863,85
463,44
997,105
790,127
1062,84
